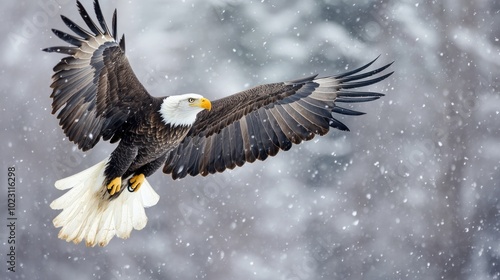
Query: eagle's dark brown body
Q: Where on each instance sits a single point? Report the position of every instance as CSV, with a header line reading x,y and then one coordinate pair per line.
x,y
144,143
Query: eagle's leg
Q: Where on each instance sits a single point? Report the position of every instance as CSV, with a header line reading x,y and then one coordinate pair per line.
x,y
120,160
145,171
114,186
136,182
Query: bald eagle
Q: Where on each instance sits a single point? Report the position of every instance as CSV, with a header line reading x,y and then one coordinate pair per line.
x,y
97,95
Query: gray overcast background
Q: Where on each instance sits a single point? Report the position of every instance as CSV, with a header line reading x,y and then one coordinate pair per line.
x,y
410,193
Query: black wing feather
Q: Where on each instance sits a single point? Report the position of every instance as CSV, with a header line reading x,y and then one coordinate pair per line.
x,y
357,70
95,90
100,18
258,122
86,17
75,41
350,85
113,24
76,28
345,111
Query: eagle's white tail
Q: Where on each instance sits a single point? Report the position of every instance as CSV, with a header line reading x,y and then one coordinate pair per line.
x,y
89,214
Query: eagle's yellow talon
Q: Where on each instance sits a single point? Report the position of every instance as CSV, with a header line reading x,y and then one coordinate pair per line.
x,y
115,185
136,182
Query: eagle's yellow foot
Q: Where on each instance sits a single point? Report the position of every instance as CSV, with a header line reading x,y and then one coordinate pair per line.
x,y
136,182
114,186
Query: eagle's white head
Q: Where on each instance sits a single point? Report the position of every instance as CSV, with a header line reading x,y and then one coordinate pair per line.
x,y
181,110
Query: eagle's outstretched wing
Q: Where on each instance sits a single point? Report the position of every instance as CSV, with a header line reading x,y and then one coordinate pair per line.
x,y
94,89
258,122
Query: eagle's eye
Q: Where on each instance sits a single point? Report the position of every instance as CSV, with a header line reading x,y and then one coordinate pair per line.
x,y
190,100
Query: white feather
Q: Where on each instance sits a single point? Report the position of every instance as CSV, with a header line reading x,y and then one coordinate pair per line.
x,y
87,213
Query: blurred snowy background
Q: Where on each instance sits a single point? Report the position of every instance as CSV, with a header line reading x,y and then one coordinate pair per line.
x,y
412,192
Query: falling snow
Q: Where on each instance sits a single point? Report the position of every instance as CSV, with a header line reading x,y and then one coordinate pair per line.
x,y
411,192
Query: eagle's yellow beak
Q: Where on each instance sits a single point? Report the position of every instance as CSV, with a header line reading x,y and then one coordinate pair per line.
x,y
205,103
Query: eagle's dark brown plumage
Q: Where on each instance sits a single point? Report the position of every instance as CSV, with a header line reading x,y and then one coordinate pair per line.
x,y
97,95
258,122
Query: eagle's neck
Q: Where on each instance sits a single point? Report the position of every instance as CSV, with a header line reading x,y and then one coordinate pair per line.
x,y
174,114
